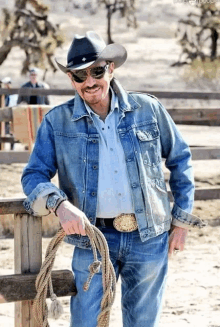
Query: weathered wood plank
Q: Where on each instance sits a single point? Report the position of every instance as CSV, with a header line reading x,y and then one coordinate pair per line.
x,y
21,287
196,116
205,153
207,194
11,206
6,114
203,116
27,259
204,194
201,153
8,139
157,93
35,91
8,157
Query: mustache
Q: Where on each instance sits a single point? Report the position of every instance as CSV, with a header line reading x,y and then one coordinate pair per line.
x,y
88,88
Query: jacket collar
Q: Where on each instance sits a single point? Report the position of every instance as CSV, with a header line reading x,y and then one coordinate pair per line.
x,y
126,102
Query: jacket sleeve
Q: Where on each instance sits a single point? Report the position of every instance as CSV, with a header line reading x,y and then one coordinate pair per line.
x,y
178,160
42,166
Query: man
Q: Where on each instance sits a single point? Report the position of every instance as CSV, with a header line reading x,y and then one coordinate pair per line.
x,y
107,146
33,83
10,101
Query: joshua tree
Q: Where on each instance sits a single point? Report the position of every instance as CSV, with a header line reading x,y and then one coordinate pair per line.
x,y
199,34
125,7
28,27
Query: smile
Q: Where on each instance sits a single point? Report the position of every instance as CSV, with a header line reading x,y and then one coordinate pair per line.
x,y
92,91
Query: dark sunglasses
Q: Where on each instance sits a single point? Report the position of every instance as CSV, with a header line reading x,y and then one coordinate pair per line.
x,y
96,72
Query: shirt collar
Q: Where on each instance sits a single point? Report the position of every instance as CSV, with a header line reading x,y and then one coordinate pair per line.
x,y
114,104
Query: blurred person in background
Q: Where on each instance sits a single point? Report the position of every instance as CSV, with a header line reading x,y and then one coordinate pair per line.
x,y
34,83
107,146
10,101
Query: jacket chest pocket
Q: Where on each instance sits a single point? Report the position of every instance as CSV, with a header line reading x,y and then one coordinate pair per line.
x,y
149,142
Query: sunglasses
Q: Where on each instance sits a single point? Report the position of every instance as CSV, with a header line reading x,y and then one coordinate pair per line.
x,y
96,72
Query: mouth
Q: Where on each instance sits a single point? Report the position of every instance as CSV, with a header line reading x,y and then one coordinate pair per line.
x,y
93,90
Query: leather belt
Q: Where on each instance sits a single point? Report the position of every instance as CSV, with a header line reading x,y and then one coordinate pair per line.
x,y
123,223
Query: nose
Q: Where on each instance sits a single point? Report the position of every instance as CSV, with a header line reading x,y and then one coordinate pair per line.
x,y
90,81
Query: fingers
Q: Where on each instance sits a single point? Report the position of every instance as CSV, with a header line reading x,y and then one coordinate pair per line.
x,y
71,218
177,239
73,227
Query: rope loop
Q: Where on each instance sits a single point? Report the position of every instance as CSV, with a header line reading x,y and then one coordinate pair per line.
x,y
43,280
95,267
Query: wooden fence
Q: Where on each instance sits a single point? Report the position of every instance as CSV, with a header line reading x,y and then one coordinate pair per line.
x,y
20,287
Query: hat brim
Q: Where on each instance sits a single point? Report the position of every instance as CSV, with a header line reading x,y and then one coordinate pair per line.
x,y
112,52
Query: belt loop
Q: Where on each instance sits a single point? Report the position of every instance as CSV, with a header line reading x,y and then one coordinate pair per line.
x,y
102,222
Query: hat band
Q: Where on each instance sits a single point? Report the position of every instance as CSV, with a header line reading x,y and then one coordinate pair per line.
x,y
82,59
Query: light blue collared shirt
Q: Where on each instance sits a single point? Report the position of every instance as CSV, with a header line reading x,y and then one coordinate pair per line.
x,y
114,192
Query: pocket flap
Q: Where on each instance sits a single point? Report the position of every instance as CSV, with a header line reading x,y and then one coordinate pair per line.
x,y
148,135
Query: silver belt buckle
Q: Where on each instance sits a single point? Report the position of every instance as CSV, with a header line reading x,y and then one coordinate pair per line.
x,y
125,223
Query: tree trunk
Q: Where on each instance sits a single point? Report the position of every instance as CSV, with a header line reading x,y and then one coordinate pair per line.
x,y
20,4
214,38
109,16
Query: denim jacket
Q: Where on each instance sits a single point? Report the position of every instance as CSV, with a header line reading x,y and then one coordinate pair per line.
x,y
68,142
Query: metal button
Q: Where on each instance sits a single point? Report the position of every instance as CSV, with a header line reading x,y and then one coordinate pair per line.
x,y
93,193
95,167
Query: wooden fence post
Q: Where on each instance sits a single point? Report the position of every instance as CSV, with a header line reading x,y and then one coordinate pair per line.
x,y
28,259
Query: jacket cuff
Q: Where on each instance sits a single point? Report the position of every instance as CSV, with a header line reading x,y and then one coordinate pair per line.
x,y
178,223
35,204
182,217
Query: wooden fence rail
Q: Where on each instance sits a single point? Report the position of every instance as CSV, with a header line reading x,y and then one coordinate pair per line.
x,y
187,116
198,153
20,287
159,94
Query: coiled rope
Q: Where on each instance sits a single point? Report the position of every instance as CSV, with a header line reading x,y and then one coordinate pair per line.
x,y
43,281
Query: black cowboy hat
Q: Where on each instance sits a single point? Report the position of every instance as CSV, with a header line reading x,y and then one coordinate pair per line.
x,y
86,50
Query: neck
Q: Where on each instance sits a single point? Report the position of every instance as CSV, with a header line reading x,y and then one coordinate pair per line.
x,y
102,108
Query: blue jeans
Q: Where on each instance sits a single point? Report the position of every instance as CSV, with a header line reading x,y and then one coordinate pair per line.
x,y
143,269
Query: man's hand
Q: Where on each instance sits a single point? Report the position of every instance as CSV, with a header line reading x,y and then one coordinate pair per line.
x,y
71,218
177,239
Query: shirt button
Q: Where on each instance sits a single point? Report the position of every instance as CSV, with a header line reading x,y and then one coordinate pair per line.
x,y
103,128
111,149
145,162
94,141
119,194
93,193
95,167
108,127
83,191
84,160
116,171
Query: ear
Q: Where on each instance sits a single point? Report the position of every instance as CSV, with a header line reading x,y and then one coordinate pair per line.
x,y
69,75
111,70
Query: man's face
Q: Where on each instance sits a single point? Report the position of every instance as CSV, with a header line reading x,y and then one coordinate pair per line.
x,y
94,90
33,78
